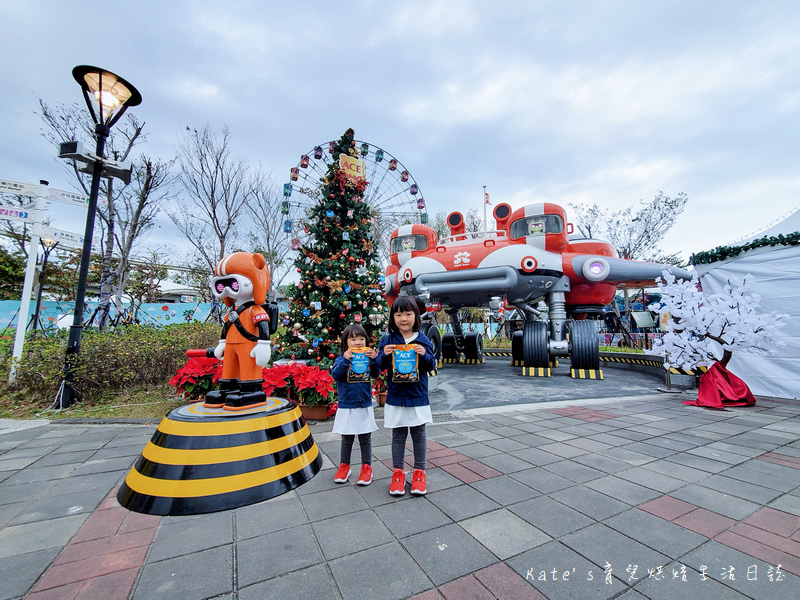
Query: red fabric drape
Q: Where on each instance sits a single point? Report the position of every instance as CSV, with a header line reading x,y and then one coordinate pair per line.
x,y
720,388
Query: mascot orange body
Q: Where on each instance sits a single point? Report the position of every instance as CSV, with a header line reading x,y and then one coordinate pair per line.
x,y
241,281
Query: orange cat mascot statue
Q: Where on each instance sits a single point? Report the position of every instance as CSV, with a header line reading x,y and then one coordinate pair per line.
x,y
241,281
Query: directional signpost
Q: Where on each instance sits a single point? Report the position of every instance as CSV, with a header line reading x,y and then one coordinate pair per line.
x,y
33,214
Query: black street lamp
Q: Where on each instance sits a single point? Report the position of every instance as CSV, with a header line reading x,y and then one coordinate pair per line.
x,y
107,96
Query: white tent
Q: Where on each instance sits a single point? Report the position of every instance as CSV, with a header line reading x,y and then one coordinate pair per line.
x,y
776,270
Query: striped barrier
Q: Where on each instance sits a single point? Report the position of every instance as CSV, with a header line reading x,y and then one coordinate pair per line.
x,y
646,360
678,371
586,373
203,460
536,371
634,359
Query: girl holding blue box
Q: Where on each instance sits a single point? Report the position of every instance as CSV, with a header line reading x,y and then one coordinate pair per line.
x,y
353,370
408,356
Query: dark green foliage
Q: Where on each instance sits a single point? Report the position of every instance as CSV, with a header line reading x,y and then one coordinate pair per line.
x,y
12,274
111,361
723,252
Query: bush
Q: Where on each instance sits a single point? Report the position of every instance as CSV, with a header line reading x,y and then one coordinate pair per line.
x,y
110,361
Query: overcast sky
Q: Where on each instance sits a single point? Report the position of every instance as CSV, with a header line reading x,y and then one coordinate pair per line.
x,y
559,101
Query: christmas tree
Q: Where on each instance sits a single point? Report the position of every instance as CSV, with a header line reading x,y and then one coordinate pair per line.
x,y
338,267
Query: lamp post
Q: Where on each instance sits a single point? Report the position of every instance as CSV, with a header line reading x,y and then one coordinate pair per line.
x,y
107,97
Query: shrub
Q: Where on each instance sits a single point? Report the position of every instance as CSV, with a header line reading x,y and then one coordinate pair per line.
x,y
110,361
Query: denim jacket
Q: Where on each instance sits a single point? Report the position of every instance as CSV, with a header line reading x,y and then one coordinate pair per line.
x,y
353,395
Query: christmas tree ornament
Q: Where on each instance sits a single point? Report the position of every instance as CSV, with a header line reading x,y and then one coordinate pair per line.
x,y
357,317
306,312
345,236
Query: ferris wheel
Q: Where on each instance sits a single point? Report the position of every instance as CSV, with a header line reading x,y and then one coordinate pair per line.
x,y
392,192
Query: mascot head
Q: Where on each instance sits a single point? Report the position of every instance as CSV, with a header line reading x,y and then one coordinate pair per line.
x,y
241,277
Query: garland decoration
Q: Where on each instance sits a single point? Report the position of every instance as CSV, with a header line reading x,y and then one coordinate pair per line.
x,y
725,252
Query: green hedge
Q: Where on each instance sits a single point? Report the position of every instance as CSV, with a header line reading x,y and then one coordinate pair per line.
x,y
110,361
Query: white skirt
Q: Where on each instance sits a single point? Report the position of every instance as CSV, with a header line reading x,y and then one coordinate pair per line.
x,y
406,416
353,421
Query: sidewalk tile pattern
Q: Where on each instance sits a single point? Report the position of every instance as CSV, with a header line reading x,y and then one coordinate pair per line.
x,y
631,498
103,559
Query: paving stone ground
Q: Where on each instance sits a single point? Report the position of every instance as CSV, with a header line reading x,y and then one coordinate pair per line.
x,y
634,497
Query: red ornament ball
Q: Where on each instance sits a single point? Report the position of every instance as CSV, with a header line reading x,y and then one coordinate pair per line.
x,y
292,356
341,316
331,356
299,270
319,358
351,259
326,230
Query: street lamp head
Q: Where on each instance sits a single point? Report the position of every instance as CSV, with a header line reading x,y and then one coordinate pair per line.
x,y
107,95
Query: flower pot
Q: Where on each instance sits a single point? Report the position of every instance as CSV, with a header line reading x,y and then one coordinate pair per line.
x,y
380,398
317,412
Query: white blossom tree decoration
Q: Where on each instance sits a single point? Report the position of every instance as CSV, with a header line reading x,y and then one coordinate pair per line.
x,y
707,329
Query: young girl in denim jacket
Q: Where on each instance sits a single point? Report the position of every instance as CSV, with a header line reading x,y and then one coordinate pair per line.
x,y
407,406
355,416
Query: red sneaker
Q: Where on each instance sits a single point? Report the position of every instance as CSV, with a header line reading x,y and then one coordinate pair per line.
x,y
342,474
365,478
398,486
418,486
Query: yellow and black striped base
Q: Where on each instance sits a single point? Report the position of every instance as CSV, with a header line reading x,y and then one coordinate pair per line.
x,y
632,359
678,371
203,460
586,373
452,361
521,363
536,371
473,361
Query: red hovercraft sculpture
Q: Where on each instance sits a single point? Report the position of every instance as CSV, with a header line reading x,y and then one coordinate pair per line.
x,y
530,258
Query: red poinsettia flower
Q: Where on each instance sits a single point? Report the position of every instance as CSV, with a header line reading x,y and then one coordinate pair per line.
x,y
197,377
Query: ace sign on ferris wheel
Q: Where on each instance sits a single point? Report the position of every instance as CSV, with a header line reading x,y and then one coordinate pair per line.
x,y
392,192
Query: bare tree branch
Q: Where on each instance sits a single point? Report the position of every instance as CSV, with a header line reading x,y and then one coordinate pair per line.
x,y
217,188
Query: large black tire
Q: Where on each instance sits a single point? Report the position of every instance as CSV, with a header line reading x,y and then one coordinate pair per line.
x,y
432,333
535,351
517,355
473,346
584,348
449,349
